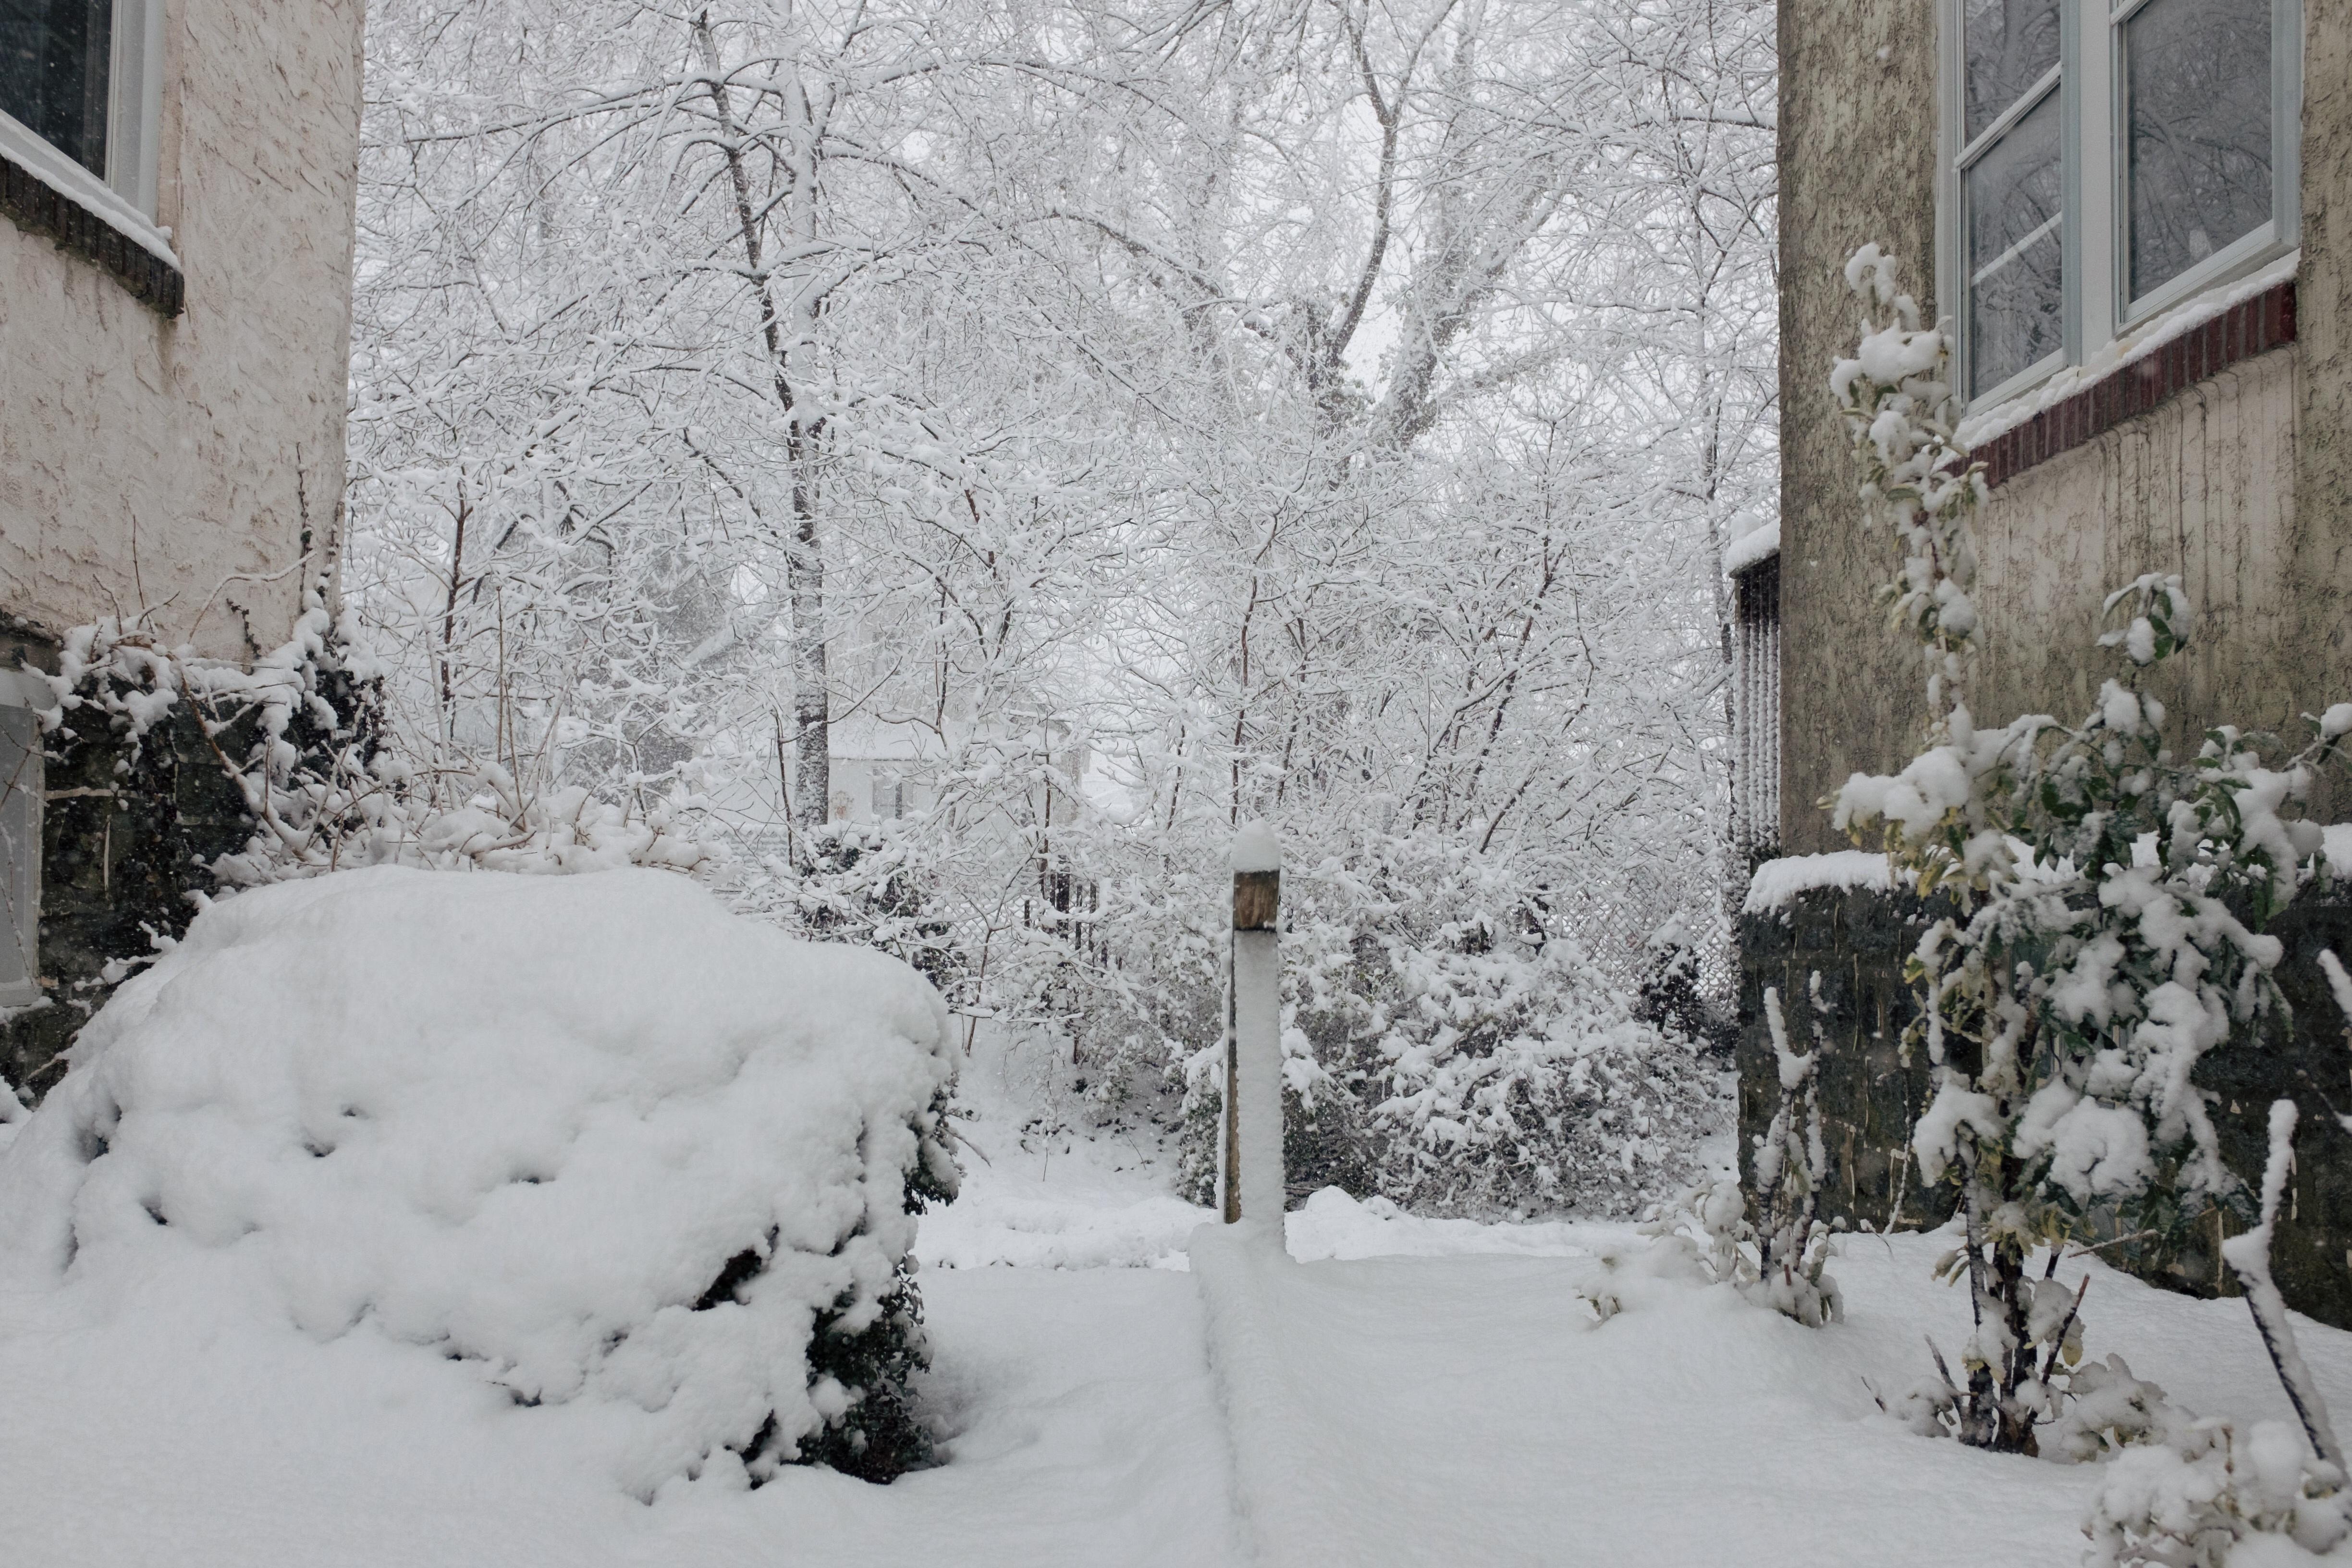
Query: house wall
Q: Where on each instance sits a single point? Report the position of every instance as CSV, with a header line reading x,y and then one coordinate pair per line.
x,y
2323,457
2241,483
143,460
1857,160
2204,486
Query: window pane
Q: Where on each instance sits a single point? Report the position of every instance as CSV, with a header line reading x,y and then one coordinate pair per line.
x,y
2012,196
53,71
2012,44
2199,77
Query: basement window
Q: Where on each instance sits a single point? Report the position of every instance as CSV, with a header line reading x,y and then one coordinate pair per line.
x,y
20,838
2100,163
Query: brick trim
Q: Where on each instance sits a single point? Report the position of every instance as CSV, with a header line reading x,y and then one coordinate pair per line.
x,y
2246,328
37,208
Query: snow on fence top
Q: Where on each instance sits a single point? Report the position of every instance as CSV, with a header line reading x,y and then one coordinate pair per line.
x,y
1756,544
1775,882
604,1142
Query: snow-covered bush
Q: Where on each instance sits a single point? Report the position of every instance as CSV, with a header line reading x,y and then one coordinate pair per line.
x,y
2201,1494
297,734
1780,1259
2218,1497
1792,1244
641,1163
862,883
1450,1045
2098,950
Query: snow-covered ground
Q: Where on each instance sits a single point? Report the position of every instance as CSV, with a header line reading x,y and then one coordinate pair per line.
x,y
1416,1391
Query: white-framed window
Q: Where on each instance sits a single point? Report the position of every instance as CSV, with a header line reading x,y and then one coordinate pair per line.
x,y
2100,162
20,837
81,90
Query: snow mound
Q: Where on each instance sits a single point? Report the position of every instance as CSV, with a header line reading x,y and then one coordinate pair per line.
x,y
610,1145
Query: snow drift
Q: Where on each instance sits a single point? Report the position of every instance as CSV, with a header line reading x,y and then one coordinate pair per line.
x,y
609,1145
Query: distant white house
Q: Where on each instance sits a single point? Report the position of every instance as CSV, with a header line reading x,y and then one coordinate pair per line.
x,y
887,770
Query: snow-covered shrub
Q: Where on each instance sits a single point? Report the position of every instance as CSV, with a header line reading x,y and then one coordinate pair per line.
x,y
1779,1259
1792,1244
641,1163
1670,996
861,882
2098,949
1448,1047
2108,1410
2215,1497
297,736
2201,1493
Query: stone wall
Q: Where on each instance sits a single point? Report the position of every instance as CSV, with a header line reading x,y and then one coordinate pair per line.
x,y
1872,1088
147,460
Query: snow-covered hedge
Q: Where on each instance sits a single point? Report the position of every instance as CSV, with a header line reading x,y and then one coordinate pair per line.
x,y
1450,1045
616,1148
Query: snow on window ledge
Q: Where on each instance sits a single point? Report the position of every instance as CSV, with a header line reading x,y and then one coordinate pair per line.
x,y
45,193
1754,546
2198,338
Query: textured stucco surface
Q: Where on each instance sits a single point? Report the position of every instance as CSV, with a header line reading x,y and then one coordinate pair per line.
x,y
1857,163
2323,457
2203,486
143,462
2242,483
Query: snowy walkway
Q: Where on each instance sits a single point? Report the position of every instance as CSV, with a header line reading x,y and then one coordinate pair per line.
x,y
1417,1392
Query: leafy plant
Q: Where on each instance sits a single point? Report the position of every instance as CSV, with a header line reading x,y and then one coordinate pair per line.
x,y
2107,899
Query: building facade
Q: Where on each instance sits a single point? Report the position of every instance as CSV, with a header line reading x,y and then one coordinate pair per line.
x,y
178,178
2137,220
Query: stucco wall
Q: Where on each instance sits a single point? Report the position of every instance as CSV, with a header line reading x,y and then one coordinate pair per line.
x,y
2242,483
2204,486
1857,163
144,461
2323,463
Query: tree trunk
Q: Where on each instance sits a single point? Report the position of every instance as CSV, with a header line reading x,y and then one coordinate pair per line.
x,y
803,438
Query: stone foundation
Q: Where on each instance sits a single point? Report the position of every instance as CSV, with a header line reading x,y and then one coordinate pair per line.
x,y
1872,1090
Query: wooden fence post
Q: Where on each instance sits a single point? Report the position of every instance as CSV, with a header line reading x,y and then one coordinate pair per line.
x,y
1253,1166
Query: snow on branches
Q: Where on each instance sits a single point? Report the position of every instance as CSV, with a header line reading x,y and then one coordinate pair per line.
x,y
296,735
2205,1493
1896,399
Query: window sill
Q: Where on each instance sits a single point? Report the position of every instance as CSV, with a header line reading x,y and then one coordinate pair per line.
x,y
124,247
2198,338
